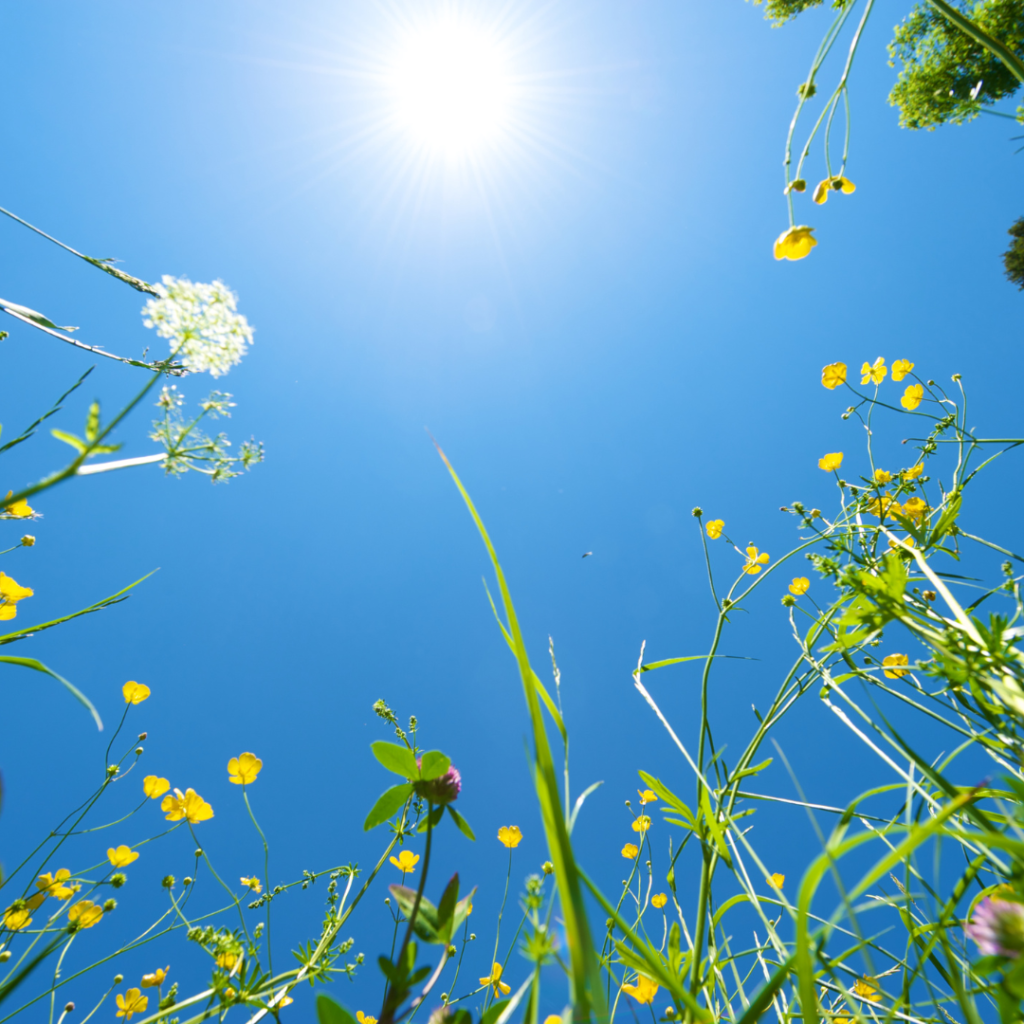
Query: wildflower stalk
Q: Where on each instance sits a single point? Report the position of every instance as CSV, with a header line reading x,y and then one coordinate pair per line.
x,y
497,930
266,872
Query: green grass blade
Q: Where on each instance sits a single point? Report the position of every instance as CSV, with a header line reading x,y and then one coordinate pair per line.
x,y
38,666
585,973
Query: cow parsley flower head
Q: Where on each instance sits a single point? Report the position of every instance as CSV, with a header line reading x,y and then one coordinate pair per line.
x,y
200,322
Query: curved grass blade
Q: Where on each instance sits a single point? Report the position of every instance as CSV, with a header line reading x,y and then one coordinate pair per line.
x,y
38,666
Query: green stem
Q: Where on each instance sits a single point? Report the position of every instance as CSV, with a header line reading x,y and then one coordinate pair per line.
x,y
266,873
980,36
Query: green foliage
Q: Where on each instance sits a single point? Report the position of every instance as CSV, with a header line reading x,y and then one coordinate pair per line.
x,y
947,77
780,11
1013,258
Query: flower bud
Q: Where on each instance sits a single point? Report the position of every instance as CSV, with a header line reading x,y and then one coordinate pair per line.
x,y
118,879
798,185
142,736
109,906
5,955
472,936
168,882
28,540
199,854
118,978
187,880
788,600
111,769
697,511
138,751
548,868
929,595
69,1008
452,951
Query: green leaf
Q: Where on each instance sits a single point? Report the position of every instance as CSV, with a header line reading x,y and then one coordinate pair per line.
x,y
396,758
388,803
92,422
433,764
426,923
714,827
753,770
493,1012
76,442
30,315
461,822
330,1012
666,795
446,908
432,820
38,666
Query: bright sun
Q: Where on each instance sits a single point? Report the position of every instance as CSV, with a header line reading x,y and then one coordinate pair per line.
x,y
452,88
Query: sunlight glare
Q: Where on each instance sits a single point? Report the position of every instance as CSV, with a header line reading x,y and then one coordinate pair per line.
x,y
452,88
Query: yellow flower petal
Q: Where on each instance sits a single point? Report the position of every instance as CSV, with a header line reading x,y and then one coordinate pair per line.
x,y
510,836
153,786
405,861
821,191
900,368
912,397
891,666
242,770
134,693
874,373
795,243
659,900
19,509
715,528
121,856
643,991
833,375
799,586
776,881
156,979
830,462
629,851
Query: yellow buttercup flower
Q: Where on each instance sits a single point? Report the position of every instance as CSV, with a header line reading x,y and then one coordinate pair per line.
x,y
36,900
884,506
227,960
833,375
85,914
830,462
900,368
11,592
912,397
287,1001
913,473
659,900
153,786
643,991
405,861
647,796
642,824
837,183
629,851
754,561
156,979
242,770
15,920
494,980
866,988
19,509
795,243
510,836
891,666
53,885
252,883
121,856
775,880
134,693
188,805
881,476
715,528
799,586
133,1001
915,508
874,373
365,1018
552,1018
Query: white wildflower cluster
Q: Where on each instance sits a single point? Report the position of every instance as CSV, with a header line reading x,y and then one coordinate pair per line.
x,y
200,321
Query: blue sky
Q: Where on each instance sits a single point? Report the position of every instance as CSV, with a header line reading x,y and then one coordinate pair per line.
x,y
593,328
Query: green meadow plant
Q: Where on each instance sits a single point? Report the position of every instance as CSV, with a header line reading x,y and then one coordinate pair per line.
x,y
911,908
957,59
